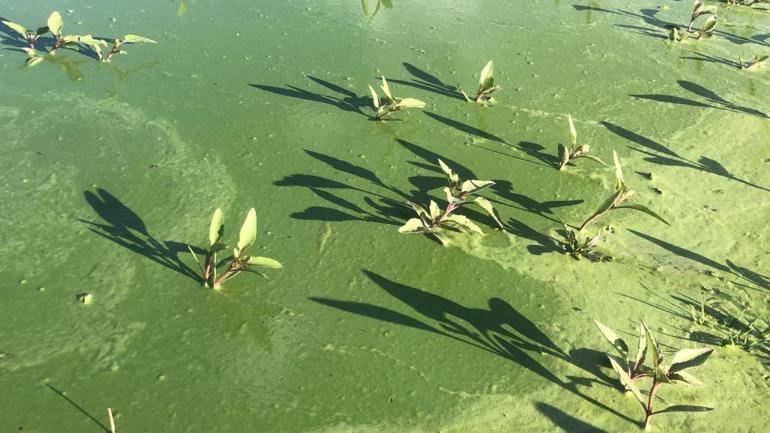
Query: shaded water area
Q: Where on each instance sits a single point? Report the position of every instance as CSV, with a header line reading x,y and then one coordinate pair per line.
x,y
111,170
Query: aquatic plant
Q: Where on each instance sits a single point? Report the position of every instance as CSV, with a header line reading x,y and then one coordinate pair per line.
x,y
576,249
730,327
629,369
238,262
387,4
755,62
616,201
31,37
486,87
458,194
699,10
391,104
100,45
574,151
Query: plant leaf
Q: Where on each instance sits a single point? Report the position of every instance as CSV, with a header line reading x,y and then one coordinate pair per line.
x,y
708,27
419,210
572,131
386,89
445,168
410,103
641,349
18,28
463,222
688,358
625,380
684,408
685,378
217,227
620,182
594,158
136,39
652,347
375,98
488,208
473,186
486,79
412,225
614,340
248,233
264,262
434,210
55,23
42,30
644,209
563,156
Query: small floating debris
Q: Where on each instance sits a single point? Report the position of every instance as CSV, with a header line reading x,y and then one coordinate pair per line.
x,y
85,298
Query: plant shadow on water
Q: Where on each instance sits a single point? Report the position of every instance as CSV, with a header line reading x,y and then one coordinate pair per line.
x,y
712,99
77,406
750,279
345,99
424,80
124,227
565,421
662,155
499,329
700,57
468,129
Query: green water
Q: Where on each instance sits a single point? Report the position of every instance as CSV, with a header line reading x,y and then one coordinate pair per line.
x,y
110,170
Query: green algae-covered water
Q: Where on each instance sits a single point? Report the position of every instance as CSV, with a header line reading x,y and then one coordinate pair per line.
x,y
109,171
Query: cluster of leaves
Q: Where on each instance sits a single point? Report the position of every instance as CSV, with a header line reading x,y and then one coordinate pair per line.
x,y
574,151
579,250
755,62
619,198
390,104
699,10
631,369
486,87
458,193
387,4
239,261
55,25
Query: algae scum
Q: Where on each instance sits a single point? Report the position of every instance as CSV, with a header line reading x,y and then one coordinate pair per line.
x,y
111,169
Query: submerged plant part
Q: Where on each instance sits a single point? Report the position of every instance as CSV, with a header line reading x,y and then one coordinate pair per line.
x,y
574,151
621,195
586,250
29,36
390,104
458,194
755,62
238,262
630,370
487,85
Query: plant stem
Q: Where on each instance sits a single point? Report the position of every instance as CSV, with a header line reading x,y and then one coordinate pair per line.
x,y
650,399
112,420
235,267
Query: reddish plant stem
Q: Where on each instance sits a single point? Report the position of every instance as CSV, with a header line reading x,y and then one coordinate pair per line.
x,y
650,399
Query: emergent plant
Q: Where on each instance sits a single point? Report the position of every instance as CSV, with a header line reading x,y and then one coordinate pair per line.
x,y
754,63
574,151
586,249
238,262
29,36
458,194
391,104
699,10
629,369
616,201
487,85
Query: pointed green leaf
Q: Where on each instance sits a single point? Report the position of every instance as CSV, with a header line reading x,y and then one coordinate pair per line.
x,y
620,182
685,377
644,209
486,79
419,210
488,208
652,347
375,98
625,379
709,26
248,233
136,39
413,225
18,28
410,103
463,222
474,186
434,210
42,30
641,349
55,23
614,340
563,156
572,131
445,168
217,227
386,89
688,358
264,262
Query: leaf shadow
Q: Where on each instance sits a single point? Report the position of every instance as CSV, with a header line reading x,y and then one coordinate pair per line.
x,y
463,127
342,99
712,100
424,80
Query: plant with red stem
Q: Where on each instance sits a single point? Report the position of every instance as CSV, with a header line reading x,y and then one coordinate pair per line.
x,y
631,370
